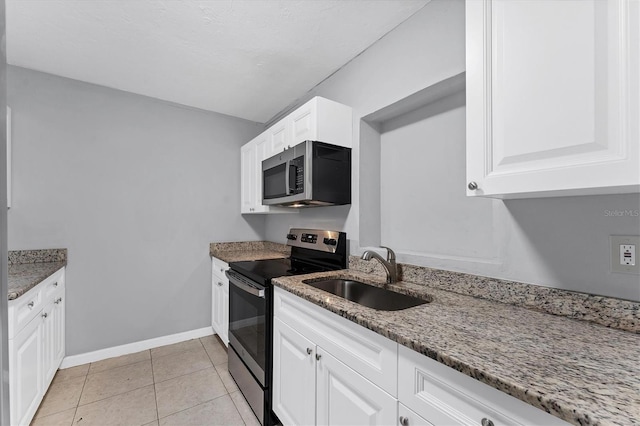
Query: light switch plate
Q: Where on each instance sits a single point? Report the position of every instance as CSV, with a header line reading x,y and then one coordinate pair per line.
x,y
620,244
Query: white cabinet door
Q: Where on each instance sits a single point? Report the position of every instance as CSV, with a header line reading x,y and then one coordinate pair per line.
x,y
346,398
294,376
220,300
221,309
58,320
26,372
217,306
248,177
279,139
49,365
304,125
225,315
553,94
262,152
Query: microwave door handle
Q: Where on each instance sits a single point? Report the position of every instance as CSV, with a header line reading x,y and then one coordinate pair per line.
x,y
286,177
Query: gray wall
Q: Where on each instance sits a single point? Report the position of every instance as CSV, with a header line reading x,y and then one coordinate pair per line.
x,y
398,65
136,189
4,358
558,242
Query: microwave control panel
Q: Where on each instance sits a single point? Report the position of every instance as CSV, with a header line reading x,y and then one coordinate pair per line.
x,y
298,165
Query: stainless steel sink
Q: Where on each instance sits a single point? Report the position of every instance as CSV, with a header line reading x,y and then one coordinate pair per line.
x,y
367,295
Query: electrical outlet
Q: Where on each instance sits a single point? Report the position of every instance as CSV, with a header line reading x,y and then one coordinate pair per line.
x,y
628,254
623,254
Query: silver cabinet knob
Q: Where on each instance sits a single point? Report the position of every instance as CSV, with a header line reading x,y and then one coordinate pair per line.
x,y
472,186
219,284
221,270
55,284
58,300
404,421
486,422
309,351
45,315
318,356
31,305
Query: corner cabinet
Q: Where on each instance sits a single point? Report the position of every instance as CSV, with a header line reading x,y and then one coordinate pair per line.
x,y
553,97
328,370
319,119
36,345
220,299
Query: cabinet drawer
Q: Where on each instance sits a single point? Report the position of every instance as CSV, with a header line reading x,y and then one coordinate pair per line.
x,y
53,284
410,418
23,309
370,354
219,266
442,395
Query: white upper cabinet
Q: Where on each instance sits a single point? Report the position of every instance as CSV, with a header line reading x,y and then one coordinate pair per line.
x,y
251,156
277,135
553,92
319,119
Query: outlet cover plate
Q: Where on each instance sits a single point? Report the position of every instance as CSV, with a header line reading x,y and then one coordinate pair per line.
x,y
616,242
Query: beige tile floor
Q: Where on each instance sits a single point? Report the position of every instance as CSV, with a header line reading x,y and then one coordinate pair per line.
x,y
182,384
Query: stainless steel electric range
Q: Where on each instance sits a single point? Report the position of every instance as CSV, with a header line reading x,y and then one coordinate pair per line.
x,y
251,309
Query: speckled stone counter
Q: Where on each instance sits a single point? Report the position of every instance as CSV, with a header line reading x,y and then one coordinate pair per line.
x,y
582,372
608,311
28,268
249,250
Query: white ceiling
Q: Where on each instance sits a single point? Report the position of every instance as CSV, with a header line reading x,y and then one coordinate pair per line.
x,y
249,59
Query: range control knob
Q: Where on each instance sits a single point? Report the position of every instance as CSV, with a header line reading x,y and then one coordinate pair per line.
x,y
292,237
330,241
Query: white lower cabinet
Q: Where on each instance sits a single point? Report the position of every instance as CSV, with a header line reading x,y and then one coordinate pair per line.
x,y
329,371
344,397
36,348
294,376
441,395
310,386
220,299
26,368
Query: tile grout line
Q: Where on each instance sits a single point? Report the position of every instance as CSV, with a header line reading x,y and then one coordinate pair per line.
x,y
202,403
176,352
186,374
155,394
80,397
236,405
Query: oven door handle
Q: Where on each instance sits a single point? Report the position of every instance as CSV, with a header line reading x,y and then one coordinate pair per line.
x,y
255,291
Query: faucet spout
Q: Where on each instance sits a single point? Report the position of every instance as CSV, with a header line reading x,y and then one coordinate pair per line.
x,y
389,263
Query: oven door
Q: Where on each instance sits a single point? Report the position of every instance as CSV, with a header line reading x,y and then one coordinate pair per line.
x,y
248,323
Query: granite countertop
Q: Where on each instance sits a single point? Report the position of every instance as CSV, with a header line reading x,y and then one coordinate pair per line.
x,y
253,250
28,268
582,372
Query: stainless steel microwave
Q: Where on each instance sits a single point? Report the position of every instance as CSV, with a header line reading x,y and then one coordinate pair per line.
x,y
309,174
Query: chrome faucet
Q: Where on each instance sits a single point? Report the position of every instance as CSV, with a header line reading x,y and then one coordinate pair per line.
x,y
389,264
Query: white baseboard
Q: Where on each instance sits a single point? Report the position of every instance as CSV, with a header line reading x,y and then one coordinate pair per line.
x,y
129,348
